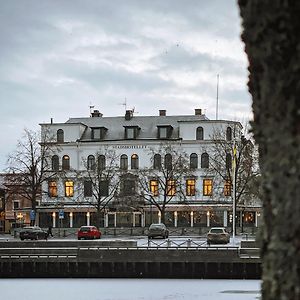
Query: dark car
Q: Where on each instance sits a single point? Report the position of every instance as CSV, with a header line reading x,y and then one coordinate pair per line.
x,y
88,233
33,233
218,235
158,230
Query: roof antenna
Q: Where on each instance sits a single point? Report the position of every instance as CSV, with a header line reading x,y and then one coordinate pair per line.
x,y
124,104
91,106
217,104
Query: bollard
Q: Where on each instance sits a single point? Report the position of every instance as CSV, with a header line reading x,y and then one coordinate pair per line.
x,y
149,242
65,233
189,242
169,243
15,234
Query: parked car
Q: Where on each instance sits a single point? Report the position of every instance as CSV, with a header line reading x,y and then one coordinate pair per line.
x,y
158,229
33,233
88,232
218,235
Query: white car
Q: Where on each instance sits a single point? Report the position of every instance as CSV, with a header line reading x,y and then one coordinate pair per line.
x,y
218,235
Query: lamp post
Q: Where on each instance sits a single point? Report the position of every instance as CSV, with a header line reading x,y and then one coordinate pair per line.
x,y
234,191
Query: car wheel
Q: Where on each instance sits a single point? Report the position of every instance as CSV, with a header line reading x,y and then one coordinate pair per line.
x,y
22,239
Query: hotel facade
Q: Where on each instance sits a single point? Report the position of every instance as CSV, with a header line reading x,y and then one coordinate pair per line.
x,y
135,143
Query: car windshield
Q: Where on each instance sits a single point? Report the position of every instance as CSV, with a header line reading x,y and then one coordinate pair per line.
x,y
85,229
157,226
217,230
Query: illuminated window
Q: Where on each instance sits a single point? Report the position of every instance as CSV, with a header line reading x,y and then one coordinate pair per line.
x,y
60,136
207,187
171,187
69,188
193,161
227,188
199,133
66,162
52,188
134,161
154,187
190,187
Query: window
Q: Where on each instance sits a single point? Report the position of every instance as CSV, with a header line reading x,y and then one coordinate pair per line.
x,y
103,187
60,136
66,162
165,131
193,161
52,188
190,187
228,161
199,133
207,187
101,162
69,188
91,164
124,162
128,187
134,161
88,188
171,187
98,133
157,162
16,204
55,163
228,134
131,132
204,160
154,187
227,188
168,162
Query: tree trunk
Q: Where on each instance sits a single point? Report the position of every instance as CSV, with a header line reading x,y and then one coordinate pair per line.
x,y
271,35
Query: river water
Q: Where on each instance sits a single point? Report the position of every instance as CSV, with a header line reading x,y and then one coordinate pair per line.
x,y
129,289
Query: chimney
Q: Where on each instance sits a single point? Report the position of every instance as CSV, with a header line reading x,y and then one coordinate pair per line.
x,y
128,115
162,112
96,114
198,112
51,120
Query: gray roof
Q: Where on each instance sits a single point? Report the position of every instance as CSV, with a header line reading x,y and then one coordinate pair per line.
x,y
147,124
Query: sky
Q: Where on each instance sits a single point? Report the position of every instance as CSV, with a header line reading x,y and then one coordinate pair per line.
x,y
59,57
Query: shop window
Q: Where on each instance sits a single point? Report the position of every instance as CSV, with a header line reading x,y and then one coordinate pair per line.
x,y
91,164
66,162
204,160
69,188
157,162
124,162
60,136
190,187
134,161
55,163
88,188
154,187
171,187
227,188
52,188
207,187
193,161
199,133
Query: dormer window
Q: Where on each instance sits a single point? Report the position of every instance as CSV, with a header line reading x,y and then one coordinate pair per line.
x,y
131,132
98,133
164,131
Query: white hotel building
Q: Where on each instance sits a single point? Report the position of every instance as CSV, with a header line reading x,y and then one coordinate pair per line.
x,y
206,203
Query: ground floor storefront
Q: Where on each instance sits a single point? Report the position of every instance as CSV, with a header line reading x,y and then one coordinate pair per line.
x,y
175,216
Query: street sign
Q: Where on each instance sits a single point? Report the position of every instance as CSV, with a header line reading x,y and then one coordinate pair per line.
x,y
61,214
32,215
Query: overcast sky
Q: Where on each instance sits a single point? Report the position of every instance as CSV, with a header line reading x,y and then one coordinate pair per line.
x,y
58,57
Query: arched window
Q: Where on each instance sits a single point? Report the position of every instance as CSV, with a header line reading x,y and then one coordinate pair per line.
x,y
193,161
91,164
55,163
60,136
124,162
168,161
228,161
66,162
157,162
204,160
199,133
228,134
101,162
134,161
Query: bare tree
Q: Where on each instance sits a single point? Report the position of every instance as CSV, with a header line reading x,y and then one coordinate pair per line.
x,y
28,166
164,180
100,180
271,36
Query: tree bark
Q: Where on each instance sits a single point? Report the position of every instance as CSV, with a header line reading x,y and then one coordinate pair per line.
x,y
271,35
